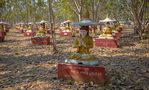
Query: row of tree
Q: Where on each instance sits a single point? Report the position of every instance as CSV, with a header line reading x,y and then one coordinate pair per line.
x,y
37,10
28,10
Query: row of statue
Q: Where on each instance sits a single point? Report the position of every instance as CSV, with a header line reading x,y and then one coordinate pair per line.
x,y
4,26
82,43
40,30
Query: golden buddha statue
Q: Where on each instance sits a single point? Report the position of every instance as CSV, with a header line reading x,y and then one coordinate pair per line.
x,y
84,42
67,26
82,45
21,27
41,32
106,33
25,28
67,29
29,29
1,28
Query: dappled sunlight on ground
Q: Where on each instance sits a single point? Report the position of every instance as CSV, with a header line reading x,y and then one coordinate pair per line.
x,y
24,66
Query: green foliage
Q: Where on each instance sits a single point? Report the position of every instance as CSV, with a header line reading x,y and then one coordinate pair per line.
x,y
19,10
62,9
16,10
2,3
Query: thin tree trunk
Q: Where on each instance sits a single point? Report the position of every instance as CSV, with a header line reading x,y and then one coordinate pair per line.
x,y
138,16
79,17
51,19
27,10
78,8
34,14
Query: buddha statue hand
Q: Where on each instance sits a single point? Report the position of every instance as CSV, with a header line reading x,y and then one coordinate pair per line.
x,y
82,43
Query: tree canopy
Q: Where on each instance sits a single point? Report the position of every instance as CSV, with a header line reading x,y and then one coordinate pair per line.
x,y
37,10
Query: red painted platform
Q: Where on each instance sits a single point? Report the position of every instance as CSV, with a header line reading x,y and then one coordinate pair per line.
x,y
5,33
41,41
83,73
111,43
2,39
63,34
2,33
2,36
117,36
28,33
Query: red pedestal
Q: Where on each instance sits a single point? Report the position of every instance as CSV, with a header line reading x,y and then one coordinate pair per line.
x,y
5,33
7,30
2,34
28,33
2,39
41,41
63,34
83,73
106,43
117,35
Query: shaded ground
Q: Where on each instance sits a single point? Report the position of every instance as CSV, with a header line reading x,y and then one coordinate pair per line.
x,y
24,66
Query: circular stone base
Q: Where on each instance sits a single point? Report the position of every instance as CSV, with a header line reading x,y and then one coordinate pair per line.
x,y
92,63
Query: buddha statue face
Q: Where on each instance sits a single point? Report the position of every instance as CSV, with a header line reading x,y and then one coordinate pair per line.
x,y
84,30
107,30
83,33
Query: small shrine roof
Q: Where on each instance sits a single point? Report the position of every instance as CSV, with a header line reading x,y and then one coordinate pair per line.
x,y
107,20
85,22
43,21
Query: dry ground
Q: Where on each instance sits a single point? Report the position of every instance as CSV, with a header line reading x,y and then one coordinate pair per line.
x,y
24,66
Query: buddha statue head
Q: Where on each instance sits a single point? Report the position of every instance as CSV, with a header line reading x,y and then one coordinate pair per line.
x,y
107,30
29,27
43,25
84,31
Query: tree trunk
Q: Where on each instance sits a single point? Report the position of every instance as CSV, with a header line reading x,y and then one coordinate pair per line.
x,y
53,38
34,14
78,8
51,19
79,17
27,11
138,16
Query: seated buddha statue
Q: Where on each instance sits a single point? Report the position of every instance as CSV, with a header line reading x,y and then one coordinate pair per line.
x,y
67,27
106,33
21,28
25,28
82,44
29,29
41,32
1,28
